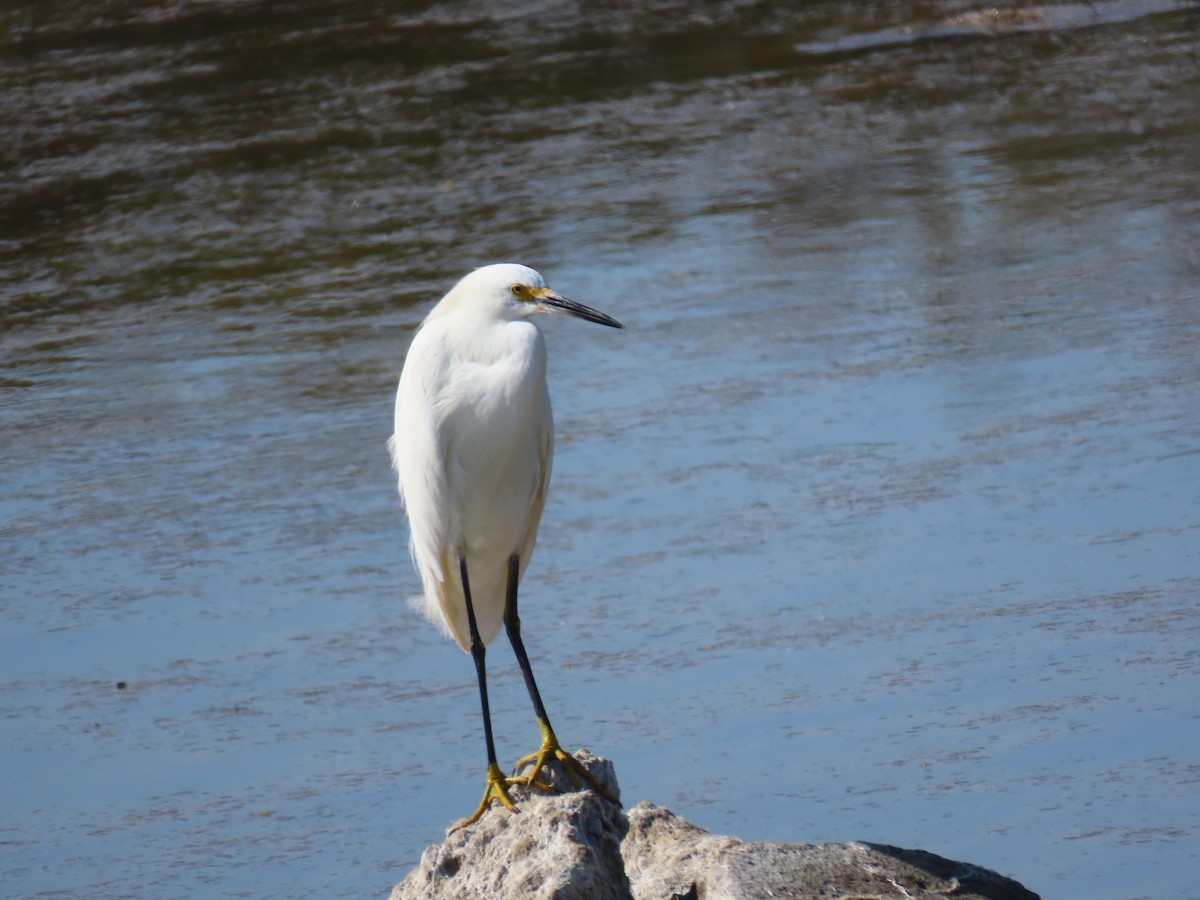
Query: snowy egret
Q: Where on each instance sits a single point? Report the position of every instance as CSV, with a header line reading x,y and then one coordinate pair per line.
x,y
472,449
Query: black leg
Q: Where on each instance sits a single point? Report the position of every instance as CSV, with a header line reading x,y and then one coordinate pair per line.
x,y
512,625
550,748
478,652
497,783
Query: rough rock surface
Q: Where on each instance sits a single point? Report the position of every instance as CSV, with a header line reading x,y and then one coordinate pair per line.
x,y
668,857
579,845
565,846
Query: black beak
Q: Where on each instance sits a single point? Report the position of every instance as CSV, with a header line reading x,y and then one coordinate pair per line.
x,y
553,303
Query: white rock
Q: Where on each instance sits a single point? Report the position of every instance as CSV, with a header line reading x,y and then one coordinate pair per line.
x,y
578,846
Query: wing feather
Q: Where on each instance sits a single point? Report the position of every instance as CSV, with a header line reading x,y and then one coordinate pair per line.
x,y
472,449
419,456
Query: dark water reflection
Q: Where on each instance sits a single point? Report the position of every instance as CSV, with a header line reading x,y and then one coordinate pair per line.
x,y
878,522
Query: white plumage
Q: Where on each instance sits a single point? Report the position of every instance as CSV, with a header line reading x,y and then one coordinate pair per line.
x,y
474,445
472,449
474,439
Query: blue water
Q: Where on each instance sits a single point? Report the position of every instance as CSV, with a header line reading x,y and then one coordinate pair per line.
x,y
877,522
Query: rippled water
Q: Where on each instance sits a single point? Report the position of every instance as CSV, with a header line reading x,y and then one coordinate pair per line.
x,y
879,520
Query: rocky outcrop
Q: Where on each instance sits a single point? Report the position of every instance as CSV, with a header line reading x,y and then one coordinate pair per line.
x,y
565,846
576,845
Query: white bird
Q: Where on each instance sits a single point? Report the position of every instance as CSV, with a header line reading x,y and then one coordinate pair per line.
x,y
472,449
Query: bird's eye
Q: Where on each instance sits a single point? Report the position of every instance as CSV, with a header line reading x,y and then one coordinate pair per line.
x,y
517,289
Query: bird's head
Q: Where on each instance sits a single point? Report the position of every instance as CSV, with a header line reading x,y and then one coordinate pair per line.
x,y
511,291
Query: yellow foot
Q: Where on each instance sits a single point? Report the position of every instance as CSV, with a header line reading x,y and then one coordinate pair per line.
x,y
549,750
497,789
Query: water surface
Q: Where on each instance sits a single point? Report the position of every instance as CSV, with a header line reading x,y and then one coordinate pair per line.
x,y
877,522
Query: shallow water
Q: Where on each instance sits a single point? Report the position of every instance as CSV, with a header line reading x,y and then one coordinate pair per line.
x,y
878,521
